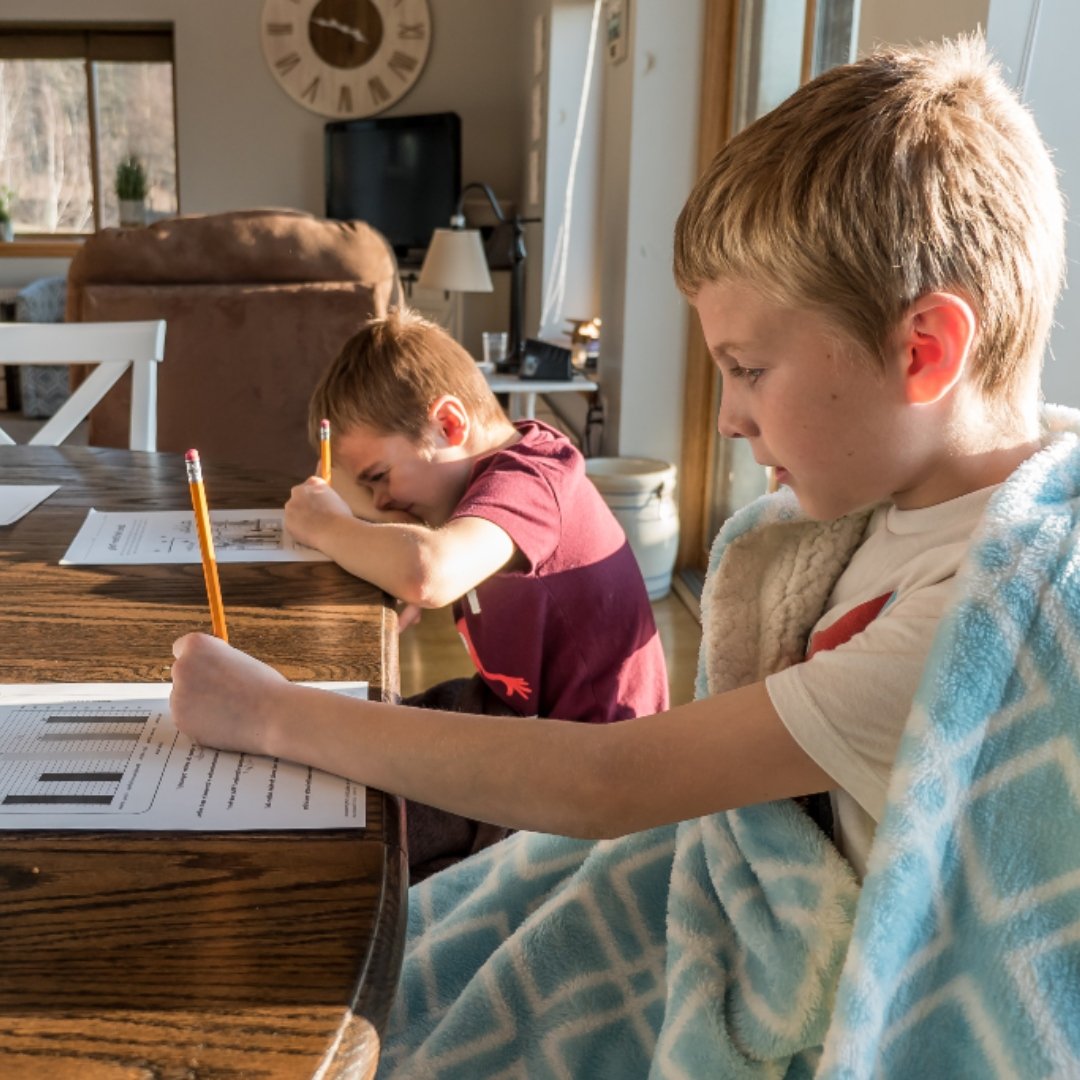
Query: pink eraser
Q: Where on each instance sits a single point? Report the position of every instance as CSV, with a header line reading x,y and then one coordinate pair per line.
x,y
192,455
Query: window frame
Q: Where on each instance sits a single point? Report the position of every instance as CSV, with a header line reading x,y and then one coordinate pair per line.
x,y
697,458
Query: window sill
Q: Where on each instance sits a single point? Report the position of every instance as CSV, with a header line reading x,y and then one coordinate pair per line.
x,y
39,249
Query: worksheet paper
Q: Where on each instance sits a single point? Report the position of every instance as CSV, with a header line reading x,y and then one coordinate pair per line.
x,y
170,536
17,500
107,756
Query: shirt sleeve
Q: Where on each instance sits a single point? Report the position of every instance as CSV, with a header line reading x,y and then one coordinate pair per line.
x,y
520,500
847,707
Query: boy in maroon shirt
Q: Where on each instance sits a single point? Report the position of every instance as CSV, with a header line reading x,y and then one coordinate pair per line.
x,y
498,519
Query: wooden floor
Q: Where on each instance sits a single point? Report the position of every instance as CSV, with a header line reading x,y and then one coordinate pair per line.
x,y
21,429
432,651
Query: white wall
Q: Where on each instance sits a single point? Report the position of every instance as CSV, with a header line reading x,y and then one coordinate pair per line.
x,y
912,21
1052,90
569,28
637,166
14,273
651,103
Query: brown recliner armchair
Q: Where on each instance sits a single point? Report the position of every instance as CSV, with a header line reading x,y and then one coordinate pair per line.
x,y
256,303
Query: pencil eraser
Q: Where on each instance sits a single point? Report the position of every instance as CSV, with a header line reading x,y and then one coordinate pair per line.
x,y
324,425
192,455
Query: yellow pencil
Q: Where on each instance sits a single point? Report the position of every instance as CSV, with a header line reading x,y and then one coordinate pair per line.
x,y
206,544
324,450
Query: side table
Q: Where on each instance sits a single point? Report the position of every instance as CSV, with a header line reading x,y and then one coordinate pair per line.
x,y
522,392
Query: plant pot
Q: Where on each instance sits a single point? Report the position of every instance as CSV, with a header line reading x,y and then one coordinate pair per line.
x,y
132,212
7,231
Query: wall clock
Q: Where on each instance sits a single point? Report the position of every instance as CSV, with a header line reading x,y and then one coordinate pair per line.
x,y
346,58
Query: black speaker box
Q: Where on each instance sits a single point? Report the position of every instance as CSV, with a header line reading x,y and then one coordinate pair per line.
x,y
542,360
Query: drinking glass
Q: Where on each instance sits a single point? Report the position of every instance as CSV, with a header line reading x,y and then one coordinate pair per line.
x,y
496,342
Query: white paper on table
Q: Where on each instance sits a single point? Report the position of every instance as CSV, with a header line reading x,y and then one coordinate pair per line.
x,y
106,756
170,536
17,500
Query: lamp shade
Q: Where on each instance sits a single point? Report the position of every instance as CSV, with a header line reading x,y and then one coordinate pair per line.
x,y
455,262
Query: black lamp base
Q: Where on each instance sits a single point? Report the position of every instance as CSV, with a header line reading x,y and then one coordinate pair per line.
x,y
511,363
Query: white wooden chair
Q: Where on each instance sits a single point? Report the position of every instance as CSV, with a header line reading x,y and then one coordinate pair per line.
x,y
113,346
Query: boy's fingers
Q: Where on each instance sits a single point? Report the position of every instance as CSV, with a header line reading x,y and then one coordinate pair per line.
x,y
179,646
187,641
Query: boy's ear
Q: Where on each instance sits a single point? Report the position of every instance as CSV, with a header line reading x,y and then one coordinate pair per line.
x,y
936,334
452,419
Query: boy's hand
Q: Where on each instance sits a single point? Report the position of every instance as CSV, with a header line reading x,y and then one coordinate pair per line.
x,y
222,697
312,509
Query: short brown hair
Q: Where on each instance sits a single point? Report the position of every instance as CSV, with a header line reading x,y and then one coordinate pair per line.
x,y
909,171
389,374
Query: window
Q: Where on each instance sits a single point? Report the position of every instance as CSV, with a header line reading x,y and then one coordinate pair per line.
x,y
74,102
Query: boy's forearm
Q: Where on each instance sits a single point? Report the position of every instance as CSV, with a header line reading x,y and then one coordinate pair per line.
x,y
388,555
556,776
585,780
470,765
429,567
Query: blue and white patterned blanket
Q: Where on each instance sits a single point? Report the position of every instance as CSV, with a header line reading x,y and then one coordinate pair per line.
x,y
738,945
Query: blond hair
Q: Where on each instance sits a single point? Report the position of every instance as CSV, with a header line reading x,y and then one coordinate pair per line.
x,y
910,171
389,374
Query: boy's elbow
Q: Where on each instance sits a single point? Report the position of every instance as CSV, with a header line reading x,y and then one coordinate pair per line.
x,y
424,586
419,592
437,595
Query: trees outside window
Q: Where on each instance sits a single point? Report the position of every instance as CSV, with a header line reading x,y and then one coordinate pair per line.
x,y
74,103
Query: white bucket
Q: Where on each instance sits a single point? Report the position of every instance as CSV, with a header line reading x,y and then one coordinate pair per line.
x,y
641,494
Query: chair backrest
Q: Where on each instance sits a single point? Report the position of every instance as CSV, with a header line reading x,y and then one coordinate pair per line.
x,y
257,302
113,347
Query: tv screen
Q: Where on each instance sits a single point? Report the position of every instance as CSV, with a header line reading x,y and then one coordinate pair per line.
x,y
401,174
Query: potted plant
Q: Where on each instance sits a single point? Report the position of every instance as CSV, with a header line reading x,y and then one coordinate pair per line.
x,y
7,196
131,189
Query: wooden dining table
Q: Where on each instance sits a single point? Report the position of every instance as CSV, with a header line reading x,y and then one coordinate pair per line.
x,y
130,954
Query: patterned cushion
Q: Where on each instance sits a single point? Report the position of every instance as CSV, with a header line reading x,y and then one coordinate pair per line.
x,y
43,388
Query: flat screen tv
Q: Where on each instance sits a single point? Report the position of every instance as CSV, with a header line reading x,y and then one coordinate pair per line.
x,y
401,174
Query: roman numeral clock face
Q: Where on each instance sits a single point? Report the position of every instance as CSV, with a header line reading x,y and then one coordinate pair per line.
x,y
346,58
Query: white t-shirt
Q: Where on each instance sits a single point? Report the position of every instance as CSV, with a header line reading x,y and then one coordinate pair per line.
x,y
846,705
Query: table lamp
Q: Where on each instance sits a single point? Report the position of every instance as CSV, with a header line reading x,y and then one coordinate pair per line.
x,y
455,262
